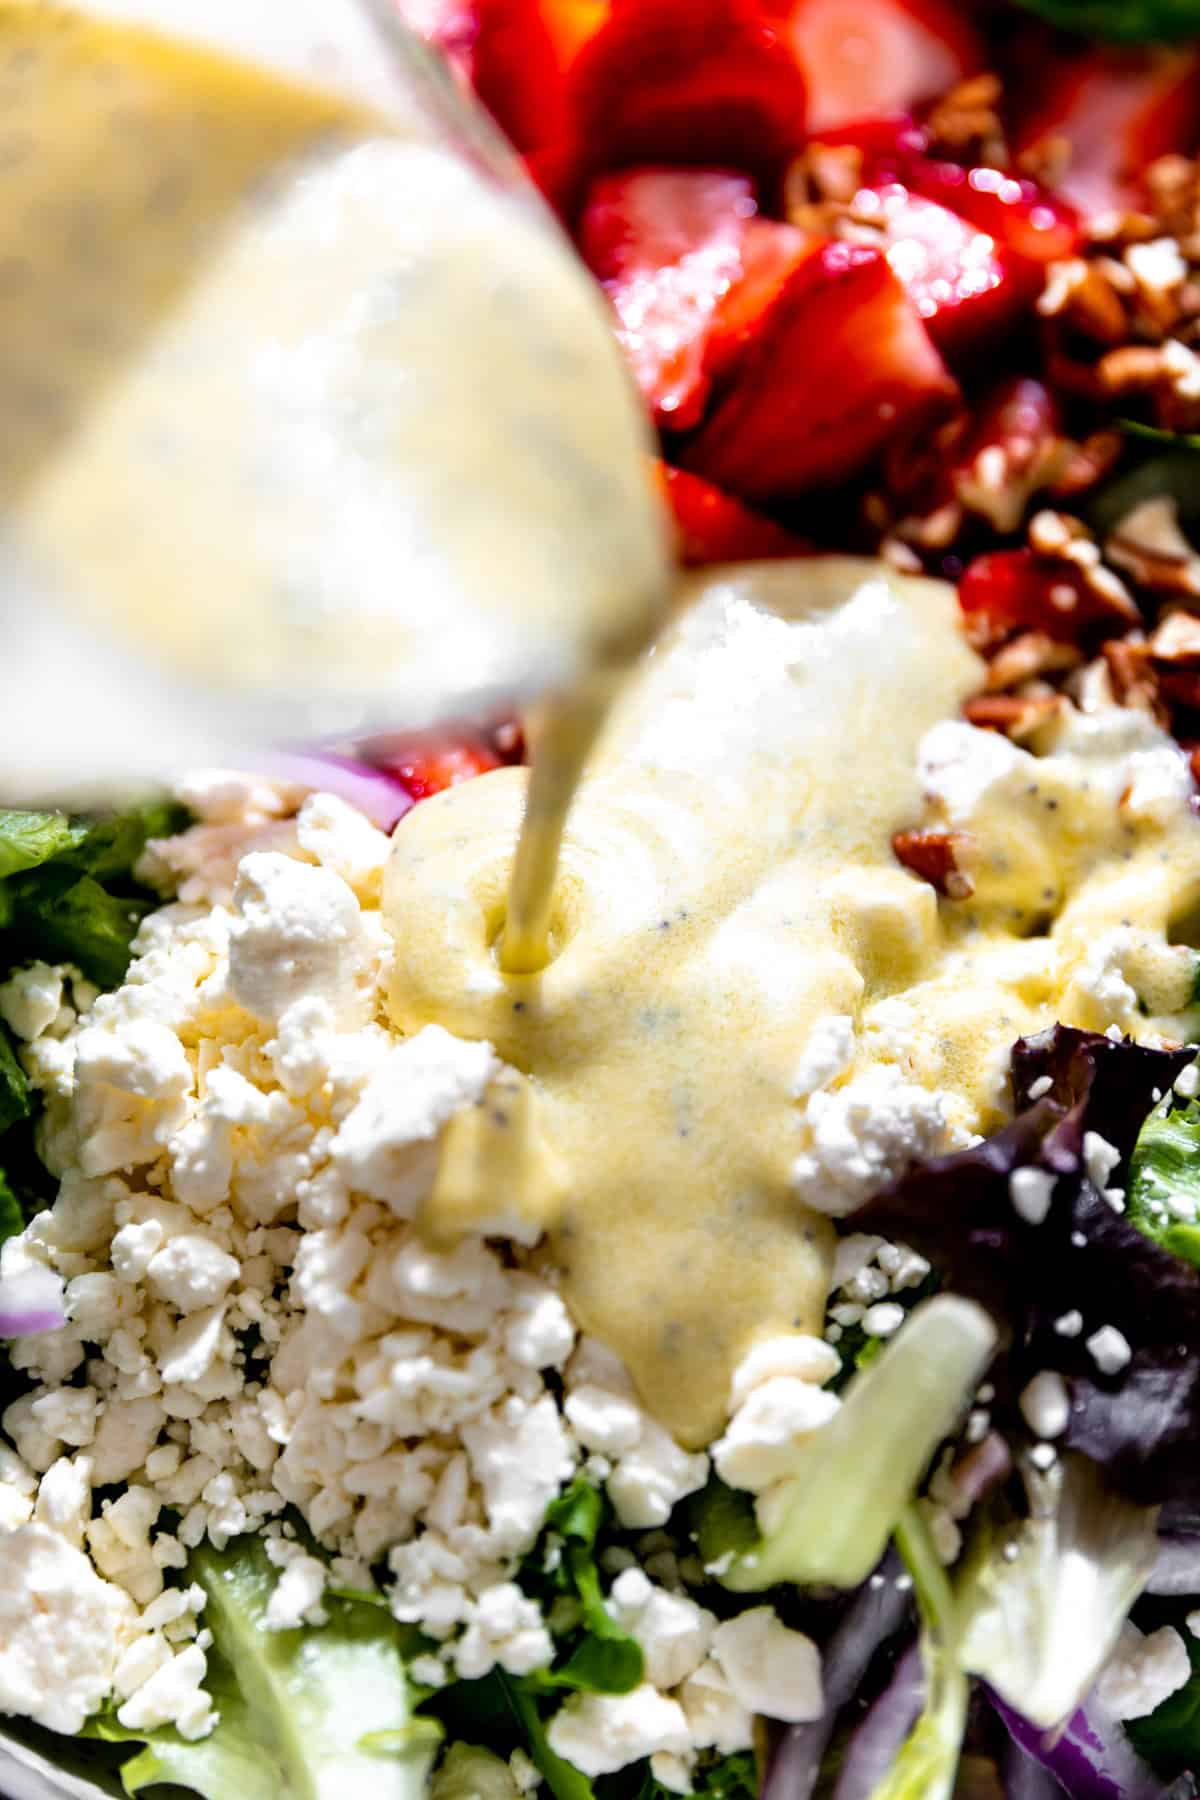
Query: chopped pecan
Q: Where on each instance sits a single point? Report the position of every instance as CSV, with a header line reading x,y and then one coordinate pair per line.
x,y
1027,655
1135,681
965,125
1176,641
1015,450
1017,716
934,856
1149,545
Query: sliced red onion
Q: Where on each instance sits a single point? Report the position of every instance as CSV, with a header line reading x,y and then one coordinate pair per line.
x,y
876,1612
383,798
1024,1778
30,1302
877,1742
1091,1756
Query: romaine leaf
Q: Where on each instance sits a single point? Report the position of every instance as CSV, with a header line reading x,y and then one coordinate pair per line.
x,y
314,1714
1164,1181
1042,1600
108,848
1124,21
562,1778
12,1219
62,916
1140,1420
14,1088
831,1519
601,1658
28,839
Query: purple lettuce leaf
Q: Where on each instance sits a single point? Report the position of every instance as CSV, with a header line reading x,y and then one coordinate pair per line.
x,y
1141,1421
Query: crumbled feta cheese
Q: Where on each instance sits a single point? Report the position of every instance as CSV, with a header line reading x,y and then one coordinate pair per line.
x,y
1143,1671
760,1445
827,1054
673,1632
62,1629
601,1733
1031,1191
1069,1324
1046,1405
173,1695
883,1319
191,1272
716,1717
1187,1082
806,1358
297,931
31,999
386,1148
771,1669
863,1135
1110,1350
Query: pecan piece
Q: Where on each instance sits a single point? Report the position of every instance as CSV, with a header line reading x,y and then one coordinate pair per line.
x,y
934,856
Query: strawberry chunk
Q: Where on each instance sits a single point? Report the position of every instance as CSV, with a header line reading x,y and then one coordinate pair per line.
x,y
770,252
667,245
426,766
1037,226
867,58
712,527
1101,117
841,365
1021,215
966,289
682,82
689,270
1005,591
518,74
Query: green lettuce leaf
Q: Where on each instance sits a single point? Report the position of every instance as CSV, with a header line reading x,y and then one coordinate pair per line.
x,y
599,1657
1124,21
14,1088
1164,1181
28,839
315,1714
62,916
12,1219
1171,440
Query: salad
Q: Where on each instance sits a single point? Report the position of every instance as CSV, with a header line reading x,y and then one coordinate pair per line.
x,y
759,1353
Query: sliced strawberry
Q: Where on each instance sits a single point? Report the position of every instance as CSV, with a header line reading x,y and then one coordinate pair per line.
x,y
518,74
687,81
428,765
841,365
1037,226
1105,115
1022,216
770,253
967,290
667,245
712,527
1005,591
867,58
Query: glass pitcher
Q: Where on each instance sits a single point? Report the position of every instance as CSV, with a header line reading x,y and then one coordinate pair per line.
x,y
321,428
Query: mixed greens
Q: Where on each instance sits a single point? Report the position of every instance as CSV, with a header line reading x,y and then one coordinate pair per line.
x,y
68,894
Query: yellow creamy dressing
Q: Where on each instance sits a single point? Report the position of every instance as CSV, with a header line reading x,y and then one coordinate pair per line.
x,y
726,880
294,397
